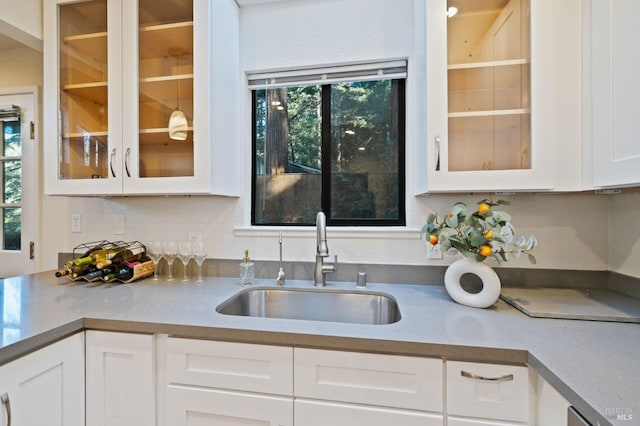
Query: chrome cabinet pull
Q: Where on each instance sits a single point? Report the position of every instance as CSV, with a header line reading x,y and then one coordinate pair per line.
x,y
126,161
7,406
437,153
111,159
505,378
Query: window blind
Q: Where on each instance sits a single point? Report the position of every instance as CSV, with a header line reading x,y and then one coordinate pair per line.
x,y
9,113
328,75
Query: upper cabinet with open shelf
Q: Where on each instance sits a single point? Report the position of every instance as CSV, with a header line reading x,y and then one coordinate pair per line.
x,y
129,92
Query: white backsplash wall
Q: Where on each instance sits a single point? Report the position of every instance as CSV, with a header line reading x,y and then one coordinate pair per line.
x,y
572,229
624,234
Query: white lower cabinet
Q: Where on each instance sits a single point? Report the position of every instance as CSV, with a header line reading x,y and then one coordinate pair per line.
x,y
167,381
209,383
551,407
325,413
45,387
487,394
193,406
120,379
346,388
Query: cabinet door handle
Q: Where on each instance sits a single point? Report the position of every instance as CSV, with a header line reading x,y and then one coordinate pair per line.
x,y
7,406
126,161
437,153
111,157
505,378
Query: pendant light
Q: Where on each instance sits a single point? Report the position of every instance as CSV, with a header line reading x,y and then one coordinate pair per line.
x,y
178,124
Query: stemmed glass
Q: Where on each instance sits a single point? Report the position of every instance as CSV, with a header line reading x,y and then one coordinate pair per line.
x,y
199,255
154,251
184,254
170,251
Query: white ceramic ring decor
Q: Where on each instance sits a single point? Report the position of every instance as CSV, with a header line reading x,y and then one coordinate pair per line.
x,y
490,283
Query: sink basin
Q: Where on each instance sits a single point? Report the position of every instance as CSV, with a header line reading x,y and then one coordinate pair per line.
x,y
360,307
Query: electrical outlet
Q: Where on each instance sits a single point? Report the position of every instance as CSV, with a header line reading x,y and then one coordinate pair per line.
x,y
76,222
434,251
195,238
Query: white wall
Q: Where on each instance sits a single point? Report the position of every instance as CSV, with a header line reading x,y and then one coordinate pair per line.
x,y
572,229
624,234
25,15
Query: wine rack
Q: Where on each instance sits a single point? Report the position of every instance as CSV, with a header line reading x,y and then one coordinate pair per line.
x,y
109,262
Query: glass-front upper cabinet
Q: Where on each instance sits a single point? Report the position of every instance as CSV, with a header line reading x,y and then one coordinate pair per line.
x,y
165,99
488,85
82,93
130,89
490,90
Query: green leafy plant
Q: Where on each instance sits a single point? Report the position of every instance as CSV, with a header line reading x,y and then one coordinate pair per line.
x,y
478,234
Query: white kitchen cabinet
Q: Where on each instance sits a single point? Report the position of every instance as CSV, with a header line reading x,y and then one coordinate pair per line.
x,y
348,388
46,387
120,379
485,393
115,71
327,413
551,407
613,107
219,383
503,97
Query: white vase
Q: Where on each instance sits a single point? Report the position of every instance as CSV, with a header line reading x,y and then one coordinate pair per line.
x,y
490,283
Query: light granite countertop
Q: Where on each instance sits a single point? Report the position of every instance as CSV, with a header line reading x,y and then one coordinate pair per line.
x,y
594,365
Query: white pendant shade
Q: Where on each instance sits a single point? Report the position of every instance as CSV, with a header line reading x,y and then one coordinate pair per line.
x,y
178,125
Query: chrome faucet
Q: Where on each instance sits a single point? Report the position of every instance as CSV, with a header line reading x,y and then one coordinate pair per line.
x,y
322,268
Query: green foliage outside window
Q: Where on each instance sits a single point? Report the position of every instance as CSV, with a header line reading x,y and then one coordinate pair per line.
x,y
358,125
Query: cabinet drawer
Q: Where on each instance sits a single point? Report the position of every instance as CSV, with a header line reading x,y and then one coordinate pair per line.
x,y
323,413
201,406
488,391
239,366
384,380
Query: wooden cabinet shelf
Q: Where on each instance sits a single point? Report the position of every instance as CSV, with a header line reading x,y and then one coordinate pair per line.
x,y
95,92
165,87
156,40
158,136
93,45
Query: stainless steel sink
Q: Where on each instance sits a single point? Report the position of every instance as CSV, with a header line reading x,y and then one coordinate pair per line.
x,y
360,307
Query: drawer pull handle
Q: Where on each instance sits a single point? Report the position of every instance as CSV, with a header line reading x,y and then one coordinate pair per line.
x,y
505,378
4,398
111,157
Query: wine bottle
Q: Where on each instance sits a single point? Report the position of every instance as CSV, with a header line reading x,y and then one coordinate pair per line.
x,y
103,257
72,267
123,273
86,270
128,255
99,273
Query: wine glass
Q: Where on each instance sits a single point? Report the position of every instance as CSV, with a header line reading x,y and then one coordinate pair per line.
x,y
199,255
154,251
170,251
184,254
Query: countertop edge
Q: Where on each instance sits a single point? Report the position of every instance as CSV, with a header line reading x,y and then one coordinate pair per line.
x,y
356,344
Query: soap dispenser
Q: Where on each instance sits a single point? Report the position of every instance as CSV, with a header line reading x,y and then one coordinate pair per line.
x,y
247,271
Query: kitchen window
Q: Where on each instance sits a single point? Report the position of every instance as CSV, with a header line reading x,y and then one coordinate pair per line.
x,y
329,140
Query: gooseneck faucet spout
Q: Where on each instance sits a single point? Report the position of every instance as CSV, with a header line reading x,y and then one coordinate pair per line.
x,y
323,268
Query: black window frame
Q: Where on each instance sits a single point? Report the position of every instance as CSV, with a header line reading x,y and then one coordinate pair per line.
x,y
325,198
